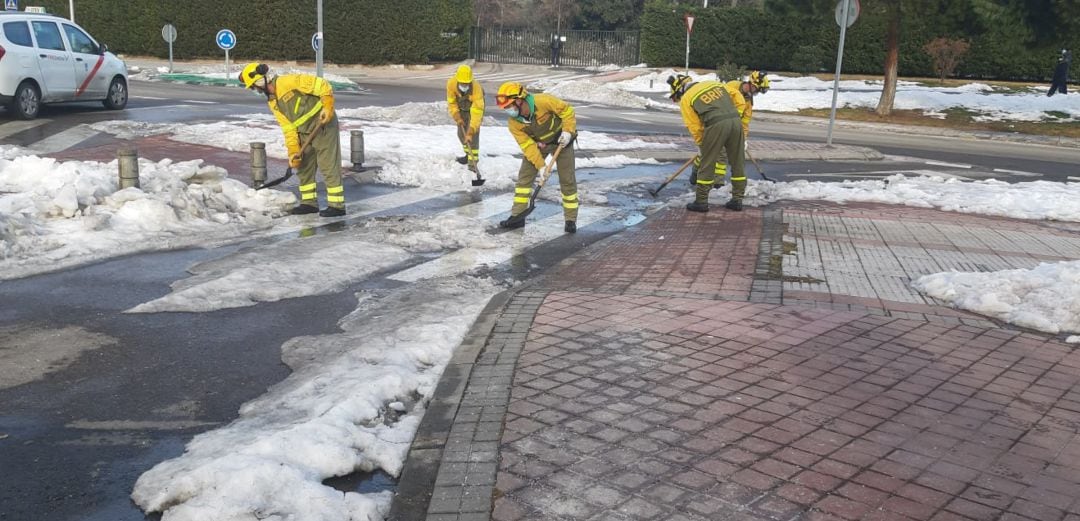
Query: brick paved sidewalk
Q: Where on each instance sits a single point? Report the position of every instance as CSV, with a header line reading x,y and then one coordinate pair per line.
x,y
766,365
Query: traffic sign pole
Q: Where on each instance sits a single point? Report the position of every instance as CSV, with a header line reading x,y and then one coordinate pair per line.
x,y
319,51
689,28
226,40
168,33
844,18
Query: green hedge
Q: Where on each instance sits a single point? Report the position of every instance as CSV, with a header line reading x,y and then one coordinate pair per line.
x,y
356,31
756,39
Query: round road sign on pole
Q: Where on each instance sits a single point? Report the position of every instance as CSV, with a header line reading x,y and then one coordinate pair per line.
x,y
316,41
168,33
226,39
853,10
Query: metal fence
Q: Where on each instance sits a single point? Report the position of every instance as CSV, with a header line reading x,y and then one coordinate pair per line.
x,y
581,48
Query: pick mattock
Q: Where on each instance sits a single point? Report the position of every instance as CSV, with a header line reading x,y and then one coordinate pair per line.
x,y
479,181
289,171
672,176
536,191
757,166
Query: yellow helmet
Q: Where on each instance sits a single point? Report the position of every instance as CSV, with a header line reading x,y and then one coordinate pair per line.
x,y
253,72
760,80
508,92
679,83
464,74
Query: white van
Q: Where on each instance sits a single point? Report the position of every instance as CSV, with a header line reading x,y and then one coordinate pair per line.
x,y
48,59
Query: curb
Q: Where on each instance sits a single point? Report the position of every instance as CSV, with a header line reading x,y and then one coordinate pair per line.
x,y
417,482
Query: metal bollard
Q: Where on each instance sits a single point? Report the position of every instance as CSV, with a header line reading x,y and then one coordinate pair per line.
x,y
258,164
357,152
128,163
650,84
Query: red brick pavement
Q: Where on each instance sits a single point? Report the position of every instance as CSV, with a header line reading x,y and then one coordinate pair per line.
x,y
631,403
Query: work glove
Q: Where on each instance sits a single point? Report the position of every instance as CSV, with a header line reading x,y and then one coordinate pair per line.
x,y
746,145
468,137
565,138
457,119
294,160
326,115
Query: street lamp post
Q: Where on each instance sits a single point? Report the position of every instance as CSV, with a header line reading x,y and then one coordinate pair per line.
x,y
71,9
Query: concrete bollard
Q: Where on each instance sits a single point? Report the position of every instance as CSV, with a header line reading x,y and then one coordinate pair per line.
x,y
357,152
128,163
258,164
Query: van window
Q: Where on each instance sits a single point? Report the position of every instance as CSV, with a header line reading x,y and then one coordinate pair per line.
x,y
48,36
79,41
18,33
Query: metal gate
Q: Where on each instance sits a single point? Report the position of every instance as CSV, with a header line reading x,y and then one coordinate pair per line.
x,y
581,48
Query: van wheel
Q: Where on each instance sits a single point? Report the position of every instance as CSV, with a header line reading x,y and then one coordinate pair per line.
x,y
118,95
27,101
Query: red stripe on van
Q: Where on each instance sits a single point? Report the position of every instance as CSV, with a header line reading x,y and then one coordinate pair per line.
x,y
82,88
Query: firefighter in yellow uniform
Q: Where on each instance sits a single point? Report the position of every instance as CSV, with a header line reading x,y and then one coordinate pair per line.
x,y
713,119
756,83
465,102
540,123
302,102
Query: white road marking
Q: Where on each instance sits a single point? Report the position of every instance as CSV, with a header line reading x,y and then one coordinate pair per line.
x,y
63,140
1017,172
947,165
388,201
465,259
200,102
14,127
148,97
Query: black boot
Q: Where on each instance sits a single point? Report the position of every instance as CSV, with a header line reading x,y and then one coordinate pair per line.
x,y
463,160
330,211
512,222
303,209
698,207
570,227
734,204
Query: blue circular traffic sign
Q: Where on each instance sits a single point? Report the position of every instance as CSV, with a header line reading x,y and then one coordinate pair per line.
x,y
316,41
226,39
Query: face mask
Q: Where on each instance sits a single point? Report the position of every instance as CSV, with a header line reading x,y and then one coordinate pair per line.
x,y
511,111
463,87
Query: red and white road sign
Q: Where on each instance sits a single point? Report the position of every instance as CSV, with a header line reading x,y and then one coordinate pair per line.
x,y
689,23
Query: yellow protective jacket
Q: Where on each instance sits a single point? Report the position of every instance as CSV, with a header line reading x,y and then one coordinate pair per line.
x,y
550,117
473,103
734,87
705,103
298,100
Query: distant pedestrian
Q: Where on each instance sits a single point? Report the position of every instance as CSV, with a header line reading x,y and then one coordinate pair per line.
x,y
1060,81
540,123
757,82
556,46
301,103
465,102
713,118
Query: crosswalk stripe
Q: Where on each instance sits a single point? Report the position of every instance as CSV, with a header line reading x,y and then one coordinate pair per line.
x,y
63,140
14,127
381,203
463,260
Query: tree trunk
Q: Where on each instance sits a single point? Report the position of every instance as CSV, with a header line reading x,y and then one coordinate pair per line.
x,y
892,59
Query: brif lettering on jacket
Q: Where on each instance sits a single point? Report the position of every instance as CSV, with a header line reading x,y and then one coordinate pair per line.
x,y
712,95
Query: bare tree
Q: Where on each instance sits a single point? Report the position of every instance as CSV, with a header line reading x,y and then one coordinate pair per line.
x,y
946,53
892,57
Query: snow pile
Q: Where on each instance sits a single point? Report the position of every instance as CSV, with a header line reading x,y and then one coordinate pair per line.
x,y
57,214
1041,200
657,81
353,402
216,72
1044,298
432,113
603,93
